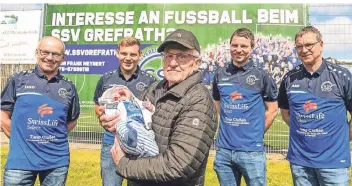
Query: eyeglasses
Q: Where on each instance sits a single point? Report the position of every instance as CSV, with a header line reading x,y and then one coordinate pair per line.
x,y
308,46
181,58
53,54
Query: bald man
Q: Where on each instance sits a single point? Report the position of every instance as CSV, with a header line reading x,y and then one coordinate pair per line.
x,y
38,108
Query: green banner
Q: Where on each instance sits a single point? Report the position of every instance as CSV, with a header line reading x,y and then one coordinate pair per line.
x,y
92,31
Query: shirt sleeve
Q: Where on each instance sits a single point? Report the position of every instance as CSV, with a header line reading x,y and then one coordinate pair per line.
x,y
8,95
205,79
216,94
348,91
282,98
270,91
98,90
74,110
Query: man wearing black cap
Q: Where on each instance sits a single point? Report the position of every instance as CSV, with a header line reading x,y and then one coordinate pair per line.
x,y
184,121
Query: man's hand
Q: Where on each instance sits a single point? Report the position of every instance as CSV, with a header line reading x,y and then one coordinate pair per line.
x,y
99,110
116,152
148,105
108,122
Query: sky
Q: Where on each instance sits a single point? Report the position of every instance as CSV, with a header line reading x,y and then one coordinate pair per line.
x,y
335,23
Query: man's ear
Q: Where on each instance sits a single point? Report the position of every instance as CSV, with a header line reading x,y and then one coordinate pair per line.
x,y
140,55
197,61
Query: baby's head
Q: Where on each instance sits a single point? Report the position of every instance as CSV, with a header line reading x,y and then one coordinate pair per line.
x,y
121,93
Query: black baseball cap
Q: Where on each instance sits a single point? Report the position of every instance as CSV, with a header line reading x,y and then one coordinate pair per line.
x,y
184,37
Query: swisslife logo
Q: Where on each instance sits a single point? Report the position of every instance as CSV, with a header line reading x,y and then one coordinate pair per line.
x,y
235,96
309,105
309,116
44,109
35,123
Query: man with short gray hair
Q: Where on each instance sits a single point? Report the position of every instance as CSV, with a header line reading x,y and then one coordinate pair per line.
x,y
184,121
314,99
38,108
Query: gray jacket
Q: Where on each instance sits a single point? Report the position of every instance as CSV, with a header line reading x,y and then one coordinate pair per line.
x,y
184,123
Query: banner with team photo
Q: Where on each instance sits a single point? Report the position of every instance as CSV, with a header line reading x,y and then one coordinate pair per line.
x,y
91,33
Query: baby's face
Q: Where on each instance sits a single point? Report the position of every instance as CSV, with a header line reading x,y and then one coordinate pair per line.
x,y
121,94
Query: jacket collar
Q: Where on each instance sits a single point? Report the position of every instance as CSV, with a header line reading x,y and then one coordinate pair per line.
x,y
180,89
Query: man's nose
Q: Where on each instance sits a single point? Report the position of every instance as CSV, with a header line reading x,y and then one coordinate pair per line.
x,y
173,62
128,57
49,56
237,49
304,50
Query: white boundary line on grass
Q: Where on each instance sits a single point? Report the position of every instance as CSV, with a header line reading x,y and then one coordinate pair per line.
x,y
84,81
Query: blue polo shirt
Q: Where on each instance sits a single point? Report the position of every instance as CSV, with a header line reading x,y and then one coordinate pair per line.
x,y
208,77
137,84
41,109
319,130
242,93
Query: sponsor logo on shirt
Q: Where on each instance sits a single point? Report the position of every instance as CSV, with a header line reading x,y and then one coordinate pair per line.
x,y
44,109
295,86
235,96
34,123
236,107
308,105
236,121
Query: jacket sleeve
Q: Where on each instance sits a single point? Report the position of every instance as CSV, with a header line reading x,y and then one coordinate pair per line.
x,y
188,147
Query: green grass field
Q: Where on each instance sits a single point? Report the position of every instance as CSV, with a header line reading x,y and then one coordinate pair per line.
x,y
85,170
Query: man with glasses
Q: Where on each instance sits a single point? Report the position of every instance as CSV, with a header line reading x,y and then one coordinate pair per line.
x,y
38,108
246,99
137,81
184,121
314,99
